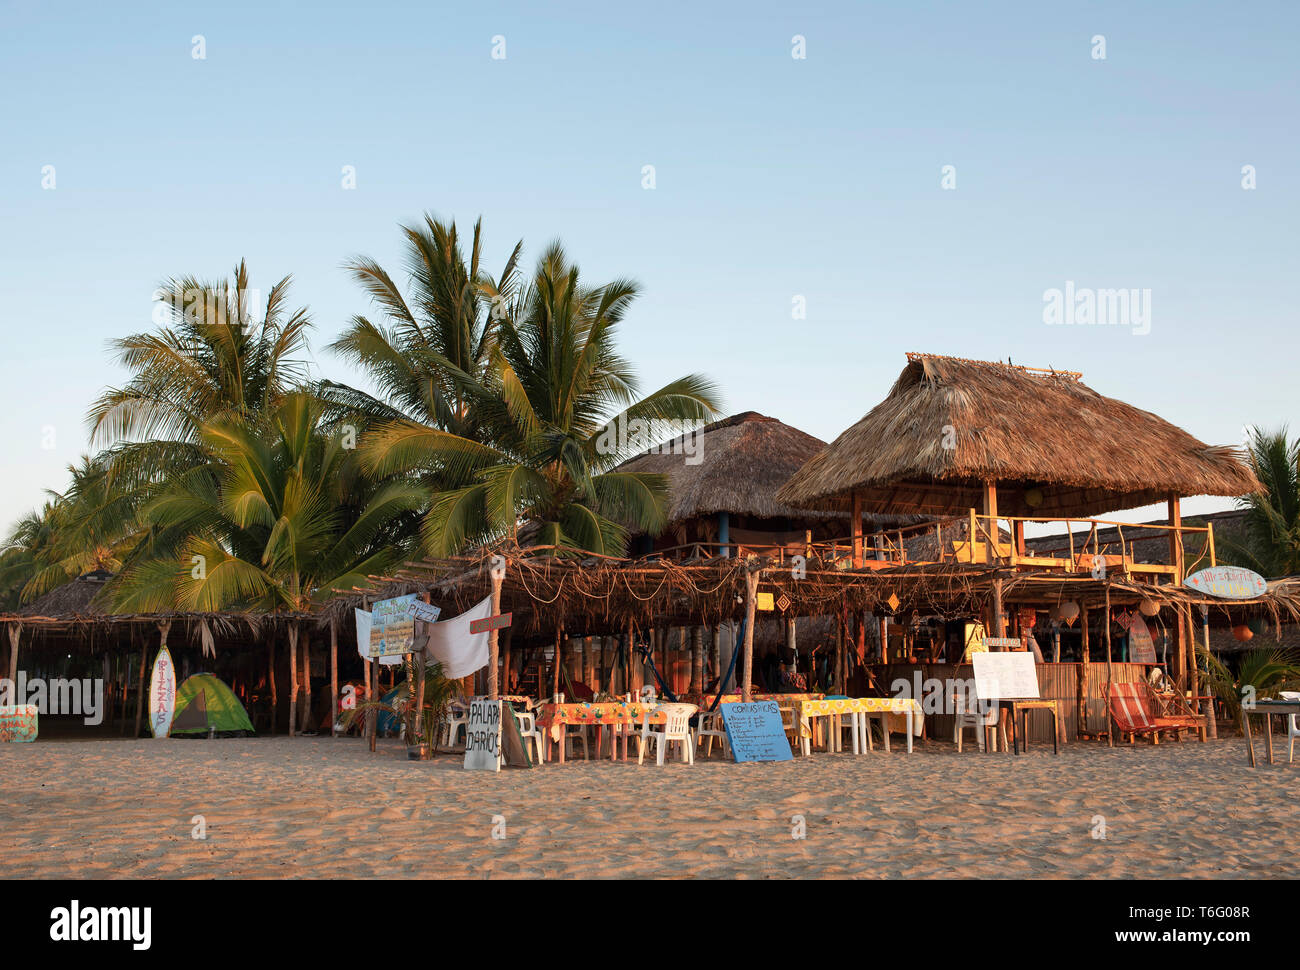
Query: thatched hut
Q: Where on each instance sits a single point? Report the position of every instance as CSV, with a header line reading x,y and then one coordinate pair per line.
x,y
1047,444
723,486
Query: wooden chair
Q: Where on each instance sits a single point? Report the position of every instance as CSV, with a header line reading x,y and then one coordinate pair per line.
x,y
1136,709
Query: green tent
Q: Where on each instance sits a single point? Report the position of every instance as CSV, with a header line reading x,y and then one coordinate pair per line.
x,y
206,707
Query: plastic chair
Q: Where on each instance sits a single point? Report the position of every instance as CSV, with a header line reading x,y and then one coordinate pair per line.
x,y
710,726
987,725
529,731
453,722
676,729
1292,724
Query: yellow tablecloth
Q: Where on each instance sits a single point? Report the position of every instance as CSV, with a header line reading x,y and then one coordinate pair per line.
x,y
896,706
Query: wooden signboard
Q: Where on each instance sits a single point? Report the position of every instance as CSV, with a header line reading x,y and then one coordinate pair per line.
x,y
1141,648
1228,582
1005,676
513,749
765,602
483,736
1004,643
18,722
755,732
490,623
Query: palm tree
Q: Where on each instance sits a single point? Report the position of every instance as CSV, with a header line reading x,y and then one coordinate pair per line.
x,y
213,361
1272,541
443,327
281,517
545,405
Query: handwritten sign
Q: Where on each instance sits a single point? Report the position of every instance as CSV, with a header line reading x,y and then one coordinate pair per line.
x,y
483,736
162,694
1228,582
18,722
490,623
1005,676
392,626
425,612
1004,643
755,731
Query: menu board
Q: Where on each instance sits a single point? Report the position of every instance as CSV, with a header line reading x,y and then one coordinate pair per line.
x,y
755,731
392,626
1005,676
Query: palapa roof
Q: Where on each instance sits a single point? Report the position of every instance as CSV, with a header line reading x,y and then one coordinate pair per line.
x,y
744,459
949,425
74,598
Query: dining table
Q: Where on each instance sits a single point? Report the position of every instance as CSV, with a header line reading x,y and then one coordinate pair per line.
x,y
618,717
860,710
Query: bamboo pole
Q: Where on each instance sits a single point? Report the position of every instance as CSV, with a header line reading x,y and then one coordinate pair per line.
x,y
1211,722
559,659
1085,674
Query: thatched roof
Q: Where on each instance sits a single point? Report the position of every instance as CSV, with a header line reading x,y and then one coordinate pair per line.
x,y
74,598
948,425
744,459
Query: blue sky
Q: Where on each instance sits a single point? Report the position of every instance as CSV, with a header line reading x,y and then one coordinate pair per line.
x,y
775,177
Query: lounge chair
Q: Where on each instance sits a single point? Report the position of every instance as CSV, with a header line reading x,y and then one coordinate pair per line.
x,y
1136,709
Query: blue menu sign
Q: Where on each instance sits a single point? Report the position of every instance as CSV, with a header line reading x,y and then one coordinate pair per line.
x,y
755,731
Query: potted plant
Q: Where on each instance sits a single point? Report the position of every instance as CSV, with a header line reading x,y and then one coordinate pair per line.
x,y
419,732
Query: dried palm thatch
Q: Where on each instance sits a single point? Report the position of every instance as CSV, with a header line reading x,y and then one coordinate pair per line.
x,y
742,461
1055,447
74,598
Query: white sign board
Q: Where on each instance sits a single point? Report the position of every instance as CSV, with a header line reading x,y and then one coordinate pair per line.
x,y
1005,676
483,736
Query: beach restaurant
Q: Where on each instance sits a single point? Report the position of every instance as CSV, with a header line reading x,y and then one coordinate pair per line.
x,y
976,455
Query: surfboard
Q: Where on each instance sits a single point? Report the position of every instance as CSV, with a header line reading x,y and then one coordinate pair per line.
x,y
162,694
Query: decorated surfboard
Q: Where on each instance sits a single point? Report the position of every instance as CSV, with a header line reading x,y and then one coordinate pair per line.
x,y
162,694
1228,582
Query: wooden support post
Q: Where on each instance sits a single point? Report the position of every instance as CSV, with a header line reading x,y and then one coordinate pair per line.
x,y
15,634
270,678
841,635
1085,673
717,653
1176,559
559,659
856,516
306,682
1110,671
697,660
293,678
497,575
334,674
1211,722
372,720
140,689
751,606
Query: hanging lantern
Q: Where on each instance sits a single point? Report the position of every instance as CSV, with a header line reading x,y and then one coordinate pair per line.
x,y
1148,607
1054,612
1069,610
1242,633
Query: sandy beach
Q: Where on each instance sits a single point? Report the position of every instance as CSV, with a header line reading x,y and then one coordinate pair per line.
x,y
321,808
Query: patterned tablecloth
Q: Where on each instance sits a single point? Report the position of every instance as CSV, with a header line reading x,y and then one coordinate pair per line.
x,y
554,717
896,707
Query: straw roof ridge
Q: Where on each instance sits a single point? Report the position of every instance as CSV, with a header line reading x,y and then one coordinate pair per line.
x,y
743,460
958,423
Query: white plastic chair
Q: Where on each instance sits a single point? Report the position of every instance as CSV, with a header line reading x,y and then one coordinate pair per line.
x,y
677,728
1292,724
981,723
453,722
529,731
709,725
573,733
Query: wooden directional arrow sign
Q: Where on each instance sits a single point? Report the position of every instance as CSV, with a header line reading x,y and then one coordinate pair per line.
x,y
490,623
